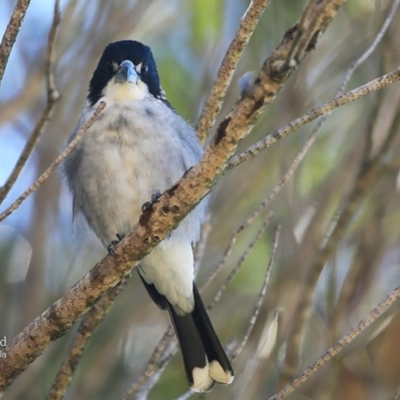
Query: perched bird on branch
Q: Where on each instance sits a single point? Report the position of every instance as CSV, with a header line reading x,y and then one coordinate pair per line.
x,y
138,147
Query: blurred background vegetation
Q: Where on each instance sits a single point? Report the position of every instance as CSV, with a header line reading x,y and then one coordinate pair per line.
x,y
42,254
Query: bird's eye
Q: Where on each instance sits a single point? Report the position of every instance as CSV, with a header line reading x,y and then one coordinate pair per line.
x,y
112,66
144,68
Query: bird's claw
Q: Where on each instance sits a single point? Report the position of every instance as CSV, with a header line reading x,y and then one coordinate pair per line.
x,y
154,198
146,206
111,246
119,236
155,195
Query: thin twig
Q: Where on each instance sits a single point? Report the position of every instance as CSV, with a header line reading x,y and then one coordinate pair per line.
x,y
335,230
326,108
261,296
152,366
148,383
229,248
11,33
344,341
263,206
52,91
55,164
350,71
218,91
187,395
365,244
80,341
241,260
368,175
171,349
201,245
371,48
52,98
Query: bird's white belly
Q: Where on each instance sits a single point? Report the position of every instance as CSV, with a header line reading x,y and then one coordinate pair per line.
x,y
125,158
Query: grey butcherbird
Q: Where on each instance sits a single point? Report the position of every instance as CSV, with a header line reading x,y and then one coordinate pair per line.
x,y
137,146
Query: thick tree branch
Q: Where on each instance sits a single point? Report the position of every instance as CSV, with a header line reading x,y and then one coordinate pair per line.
x,y
218,91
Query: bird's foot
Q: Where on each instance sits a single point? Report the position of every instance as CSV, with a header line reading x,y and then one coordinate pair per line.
x,y
111,246
155,195
154,198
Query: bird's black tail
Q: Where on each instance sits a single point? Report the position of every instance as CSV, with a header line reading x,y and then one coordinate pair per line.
x,y
203,355
204,358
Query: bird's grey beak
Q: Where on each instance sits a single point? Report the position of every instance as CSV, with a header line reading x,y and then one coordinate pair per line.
x,y
126,73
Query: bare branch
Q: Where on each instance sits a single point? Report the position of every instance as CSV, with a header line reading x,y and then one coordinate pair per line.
x,y
81,339
370,174
261,296
371,48
229,248
152,366
241,260
296,124
367,177
218,91
52,98
11,33
263,206
200,248
144,391
367,173
52,92
275,71
326,108
55,164
313,22
344,341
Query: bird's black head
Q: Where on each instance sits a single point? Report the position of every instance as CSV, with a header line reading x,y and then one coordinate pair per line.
x,y
113,55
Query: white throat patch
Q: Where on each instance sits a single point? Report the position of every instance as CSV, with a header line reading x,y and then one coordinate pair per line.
x,y
126,91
